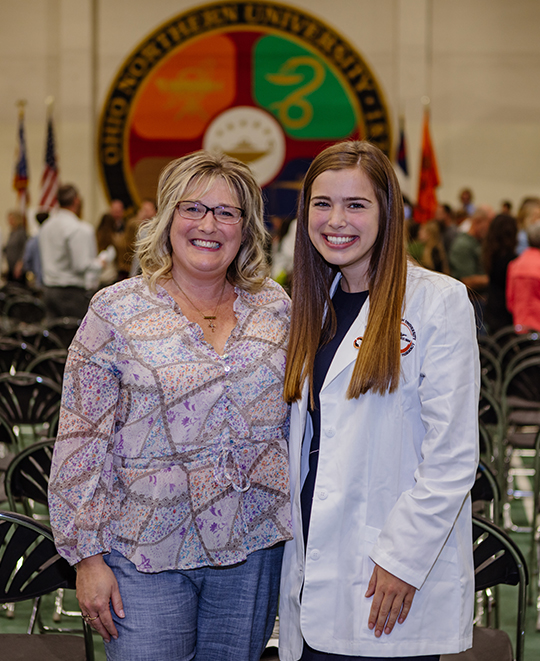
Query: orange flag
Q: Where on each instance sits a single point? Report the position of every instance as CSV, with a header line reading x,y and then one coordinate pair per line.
x,y
429,178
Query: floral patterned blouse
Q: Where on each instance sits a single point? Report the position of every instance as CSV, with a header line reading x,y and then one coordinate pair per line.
x,y
167,452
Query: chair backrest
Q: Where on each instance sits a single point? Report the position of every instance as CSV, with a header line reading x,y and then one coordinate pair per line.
x,y
497,560
42,339
530,351
514,346
41,571
31,567
50,364
15,354
27,476
491,416
491,372
26,309
486,489
30,399
521,388
503,335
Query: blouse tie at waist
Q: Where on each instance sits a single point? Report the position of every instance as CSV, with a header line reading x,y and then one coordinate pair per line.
x,y
228,470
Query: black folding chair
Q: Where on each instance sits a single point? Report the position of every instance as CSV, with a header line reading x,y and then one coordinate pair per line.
x,y
25,309
490,370
30,567
15,354
520,395
50,364
486,494
30,404
27,477
42,339
497,560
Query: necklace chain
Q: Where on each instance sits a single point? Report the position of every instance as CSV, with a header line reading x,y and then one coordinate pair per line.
x,y
207,317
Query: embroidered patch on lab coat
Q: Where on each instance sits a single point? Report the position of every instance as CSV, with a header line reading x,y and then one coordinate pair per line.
x,y
408,337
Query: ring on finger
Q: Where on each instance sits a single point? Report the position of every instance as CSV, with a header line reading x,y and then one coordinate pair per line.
x,y
86,617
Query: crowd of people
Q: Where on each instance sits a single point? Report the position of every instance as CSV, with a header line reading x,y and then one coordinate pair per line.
x,y
221,444
65,261
492,253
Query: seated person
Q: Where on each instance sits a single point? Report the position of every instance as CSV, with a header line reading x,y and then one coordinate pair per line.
x,y
523,284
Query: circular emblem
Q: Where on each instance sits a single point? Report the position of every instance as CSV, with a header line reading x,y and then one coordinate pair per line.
x,y
408,337
267,83
251,135
357,342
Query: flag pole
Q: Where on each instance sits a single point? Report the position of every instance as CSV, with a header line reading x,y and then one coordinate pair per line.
x,y
21,103
49,103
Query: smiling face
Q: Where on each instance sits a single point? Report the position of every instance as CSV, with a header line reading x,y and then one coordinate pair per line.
x,y
343,223
204,249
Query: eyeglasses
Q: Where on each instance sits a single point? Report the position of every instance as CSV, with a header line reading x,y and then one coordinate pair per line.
x,y
198,210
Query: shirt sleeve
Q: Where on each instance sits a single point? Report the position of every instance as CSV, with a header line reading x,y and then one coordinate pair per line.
x,y
80,484
423,517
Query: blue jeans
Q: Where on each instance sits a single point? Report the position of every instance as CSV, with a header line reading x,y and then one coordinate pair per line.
x,y
201,614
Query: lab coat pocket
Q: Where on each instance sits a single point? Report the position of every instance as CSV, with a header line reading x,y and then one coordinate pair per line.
x,y
437,606
354,607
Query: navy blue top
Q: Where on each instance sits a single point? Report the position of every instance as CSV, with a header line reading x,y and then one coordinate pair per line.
x,y
347,306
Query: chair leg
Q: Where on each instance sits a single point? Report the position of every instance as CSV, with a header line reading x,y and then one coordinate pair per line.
x,y
35,616
10,610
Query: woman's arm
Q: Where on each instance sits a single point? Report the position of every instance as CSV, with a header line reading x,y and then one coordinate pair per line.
x,y
81,471
446,398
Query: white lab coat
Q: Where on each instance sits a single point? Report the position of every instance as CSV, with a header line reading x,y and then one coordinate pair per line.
x,y
392,488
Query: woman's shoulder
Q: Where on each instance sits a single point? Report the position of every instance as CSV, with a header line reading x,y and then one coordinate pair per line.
x,y
270,294
422,279
429,292
131,295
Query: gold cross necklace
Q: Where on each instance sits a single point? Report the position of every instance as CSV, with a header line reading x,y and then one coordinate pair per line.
x,y
210,318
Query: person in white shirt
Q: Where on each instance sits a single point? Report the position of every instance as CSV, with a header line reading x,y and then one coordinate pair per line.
x,y
68,251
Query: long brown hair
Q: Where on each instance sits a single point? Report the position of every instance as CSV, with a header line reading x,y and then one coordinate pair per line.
x,y
313,320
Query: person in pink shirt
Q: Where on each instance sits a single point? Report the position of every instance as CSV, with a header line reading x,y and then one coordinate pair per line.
x,y
523,285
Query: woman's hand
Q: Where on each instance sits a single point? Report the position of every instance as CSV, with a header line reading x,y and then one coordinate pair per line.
x,y
392,599
96,589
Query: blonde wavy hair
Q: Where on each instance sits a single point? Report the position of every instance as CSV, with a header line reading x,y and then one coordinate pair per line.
x,y
199,172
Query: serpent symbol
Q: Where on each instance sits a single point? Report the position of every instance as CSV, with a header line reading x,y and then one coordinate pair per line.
x,y
288,75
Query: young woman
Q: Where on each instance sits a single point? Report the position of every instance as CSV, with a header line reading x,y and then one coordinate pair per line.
x,y
383,375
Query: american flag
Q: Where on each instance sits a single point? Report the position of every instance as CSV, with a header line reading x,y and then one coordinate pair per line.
x,y
49,178
20,178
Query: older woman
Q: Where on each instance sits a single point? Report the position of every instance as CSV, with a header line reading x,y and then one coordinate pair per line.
x,y
169,487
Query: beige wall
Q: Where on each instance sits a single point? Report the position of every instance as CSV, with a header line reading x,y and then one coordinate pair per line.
x,y
481,75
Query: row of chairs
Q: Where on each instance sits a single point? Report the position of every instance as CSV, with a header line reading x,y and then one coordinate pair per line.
x,y
33,352
497,559
510,419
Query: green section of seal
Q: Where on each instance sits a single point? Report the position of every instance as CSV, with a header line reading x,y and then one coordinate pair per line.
x,y
300,90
